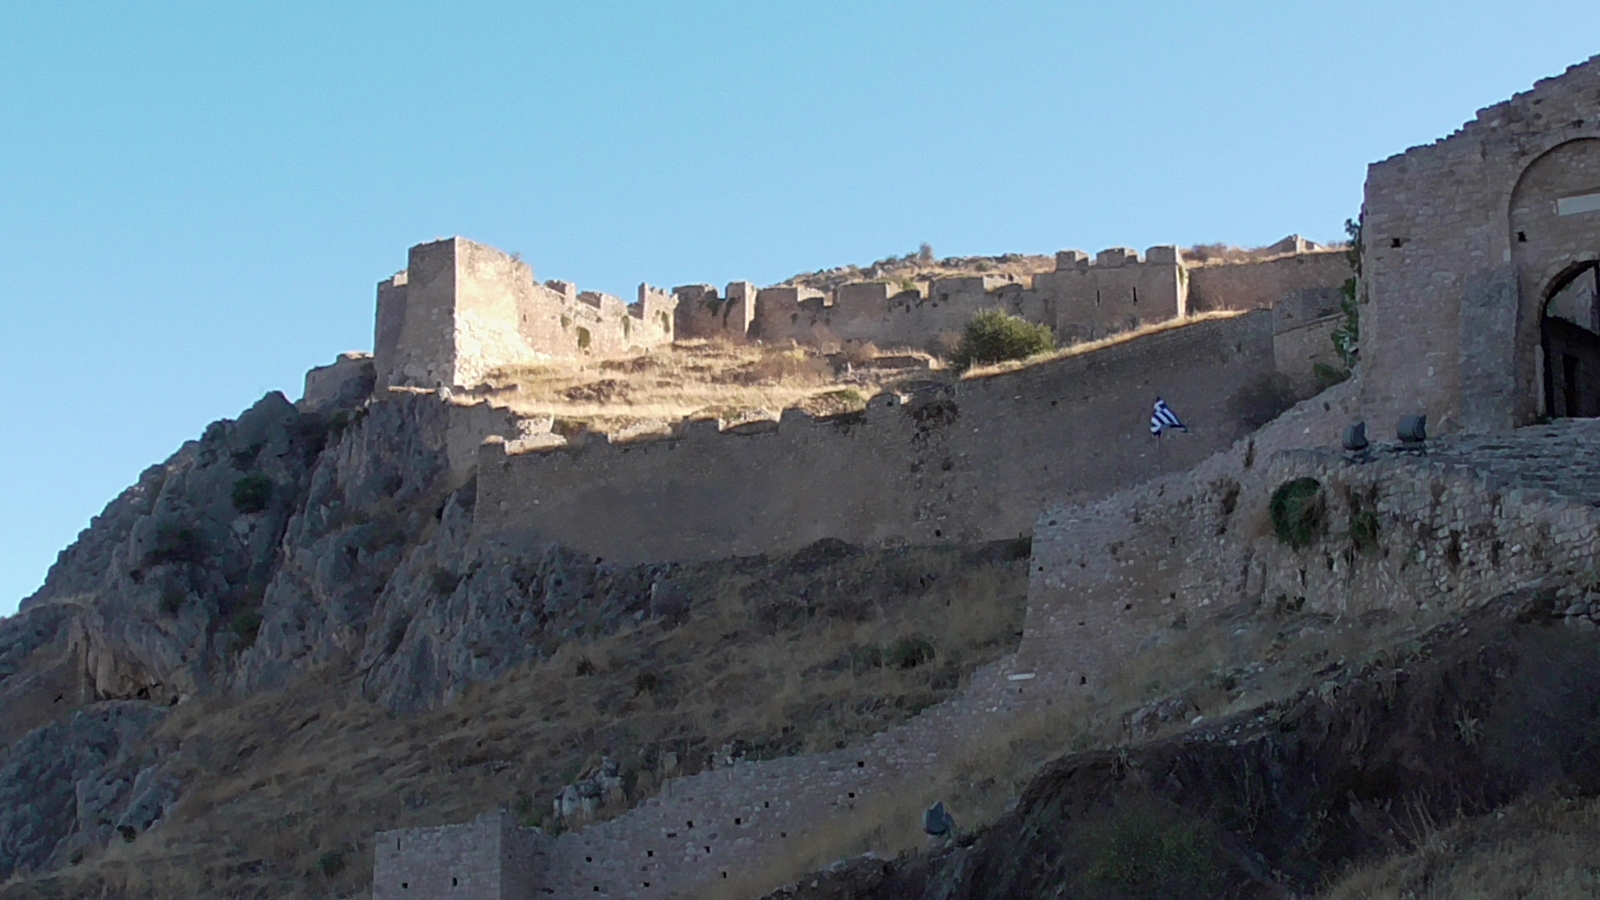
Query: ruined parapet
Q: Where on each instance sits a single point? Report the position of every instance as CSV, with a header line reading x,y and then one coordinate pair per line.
x,y
1311,276
701,313
344,383
489,858
460,310
789,313
1116,291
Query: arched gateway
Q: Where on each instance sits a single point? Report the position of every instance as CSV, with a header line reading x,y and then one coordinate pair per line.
x,y
1481,253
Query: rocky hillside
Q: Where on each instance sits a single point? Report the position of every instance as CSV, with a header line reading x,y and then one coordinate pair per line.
x,y
283,639
1493,712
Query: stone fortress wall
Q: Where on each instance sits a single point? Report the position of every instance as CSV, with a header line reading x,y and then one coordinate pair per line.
x,y
1464,242
461,309
1083,299
970,462
1110,578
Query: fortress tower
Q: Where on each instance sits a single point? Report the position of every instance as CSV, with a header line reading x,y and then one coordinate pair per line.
x,y
461,309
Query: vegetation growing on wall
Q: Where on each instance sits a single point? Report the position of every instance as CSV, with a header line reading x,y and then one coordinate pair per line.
x,y
1298,512
1347,337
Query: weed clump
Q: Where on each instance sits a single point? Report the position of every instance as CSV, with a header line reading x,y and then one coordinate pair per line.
x,y
331,863
1144,853
993,336
246,624
1298,512
251,493
175,544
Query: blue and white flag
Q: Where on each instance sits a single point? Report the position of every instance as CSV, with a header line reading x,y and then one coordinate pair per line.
x,y
1163,418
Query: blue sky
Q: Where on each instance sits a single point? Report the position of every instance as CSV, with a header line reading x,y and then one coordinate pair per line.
x,y
197,199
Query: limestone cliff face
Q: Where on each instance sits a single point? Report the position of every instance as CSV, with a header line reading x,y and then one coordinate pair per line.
x,y
158,580
288,539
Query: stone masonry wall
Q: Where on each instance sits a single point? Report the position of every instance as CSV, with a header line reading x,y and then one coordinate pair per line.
x,y
1117,291
974,462
348,379
1462,238
1083,299
1471,520
462,310
489,858
1313,276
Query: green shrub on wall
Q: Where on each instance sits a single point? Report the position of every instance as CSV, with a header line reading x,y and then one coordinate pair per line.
x,y
1298,512
251,493
993,336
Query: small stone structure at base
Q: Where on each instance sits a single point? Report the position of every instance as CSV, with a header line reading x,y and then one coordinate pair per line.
x,y
489,858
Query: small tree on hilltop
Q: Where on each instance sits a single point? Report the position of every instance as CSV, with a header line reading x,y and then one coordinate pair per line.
x,y
993,336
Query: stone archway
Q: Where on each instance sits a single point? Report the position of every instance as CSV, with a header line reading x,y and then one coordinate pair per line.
x,y
1570,343
1555,244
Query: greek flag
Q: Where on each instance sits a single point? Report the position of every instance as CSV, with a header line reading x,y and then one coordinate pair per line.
x,y
1162,418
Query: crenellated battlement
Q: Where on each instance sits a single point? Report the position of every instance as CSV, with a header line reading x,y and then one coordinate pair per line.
x,y
460,310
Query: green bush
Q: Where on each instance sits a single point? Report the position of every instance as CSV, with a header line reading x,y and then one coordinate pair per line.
x,y
445,581
251,493
1298,512
993,336
1363,524
247,624
908,653
331,863
176,544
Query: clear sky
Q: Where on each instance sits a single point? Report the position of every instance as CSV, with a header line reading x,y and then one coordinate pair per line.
x,y
196,200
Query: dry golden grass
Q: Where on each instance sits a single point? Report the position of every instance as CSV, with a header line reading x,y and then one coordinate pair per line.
x,y
275,783
1230,662
1547,848
711,379
915,268
1100,344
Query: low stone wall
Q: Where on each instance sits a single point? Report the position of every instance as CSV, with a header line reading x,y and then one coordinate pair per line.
x,y
489,857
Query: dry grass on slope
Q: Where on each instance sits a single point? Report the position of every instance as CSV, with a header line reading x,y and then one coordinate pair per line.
x,y
1078,349
1547,848
1233,660
283,791
734,382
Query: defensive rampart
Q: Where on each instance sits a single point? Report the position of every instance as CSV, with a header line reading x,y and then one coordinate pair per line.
x,y
1439,534
1305,279
1083,299
972,462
